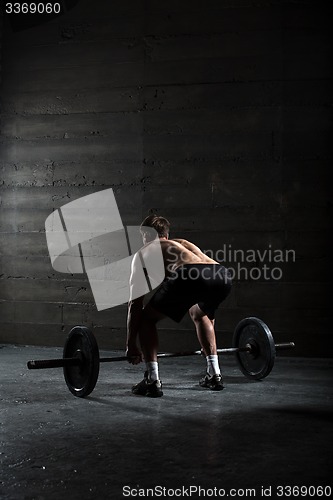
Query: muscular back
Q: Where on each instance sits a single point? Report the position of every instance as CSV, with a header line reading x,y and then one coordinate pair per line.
x,y
178,252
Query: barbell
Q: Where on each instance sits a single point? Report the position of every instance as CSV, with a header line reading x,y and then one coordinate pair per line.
x,y
253,346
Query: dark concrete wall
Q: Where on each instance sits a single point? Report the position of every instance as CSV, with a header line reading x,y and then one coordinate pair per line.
x,y
216,114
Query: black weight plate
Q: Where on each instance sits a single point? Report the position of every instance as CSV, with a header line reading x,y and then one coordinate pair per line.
x,y
81,380
258,363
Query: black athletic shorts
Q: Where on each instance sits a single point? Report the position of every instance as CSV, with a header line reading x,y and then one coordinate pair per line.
x,y
204,284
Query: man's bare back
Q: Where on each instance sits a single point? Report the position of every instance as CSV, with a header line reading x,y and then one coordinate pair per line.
x,y
175,253
179,251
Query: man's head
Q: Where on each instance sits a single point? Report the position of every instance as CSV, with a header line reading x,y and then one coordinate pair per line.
x,y
160,224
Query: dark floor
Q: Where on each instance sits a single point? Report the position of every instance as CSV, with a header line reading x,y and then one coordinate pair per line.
x,y
249,436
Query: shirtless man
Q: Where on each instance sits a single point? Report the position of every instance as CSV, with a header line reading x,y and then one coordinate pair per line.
x,y
194,283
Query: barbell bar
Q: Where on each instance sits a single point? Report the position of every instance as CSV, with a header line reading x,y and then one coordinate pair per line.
x,y
253,346
76,361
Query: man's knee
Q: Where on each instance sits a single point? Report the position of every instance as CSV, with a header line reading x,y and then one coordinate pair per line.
x,y
196,314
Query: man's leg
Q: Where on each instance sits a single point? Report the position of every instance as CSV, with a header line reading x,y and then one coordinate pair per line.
x,y
151,385
205,330
148,333
206,336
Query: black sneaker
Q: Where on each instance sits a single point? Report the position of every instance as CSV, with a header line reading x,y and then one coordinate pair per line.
x,y
213,382
146,388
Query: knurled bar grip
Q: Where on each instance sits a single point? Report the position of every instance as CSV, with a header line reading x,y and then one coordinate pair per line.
x,y
230,350
180,354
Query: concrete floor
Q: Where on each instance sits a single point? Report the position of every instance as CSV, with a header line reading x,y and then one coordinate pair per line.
x,y
249,436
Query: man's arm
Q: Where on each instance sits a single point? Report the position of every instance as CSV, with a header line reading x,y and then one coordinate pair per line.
x,y
134,315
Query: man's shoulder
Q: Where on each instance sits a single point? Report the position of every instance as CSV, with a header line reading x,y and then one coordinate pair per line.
x,y
175,243
184,243
180,241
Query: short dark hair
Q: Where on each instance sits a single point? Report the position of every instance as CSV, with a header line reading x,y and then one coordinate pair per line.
x,y
160,224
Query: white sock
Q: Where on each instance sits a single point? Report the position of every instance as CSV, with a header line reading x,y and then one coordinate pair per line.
x,y
213,365
152,368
